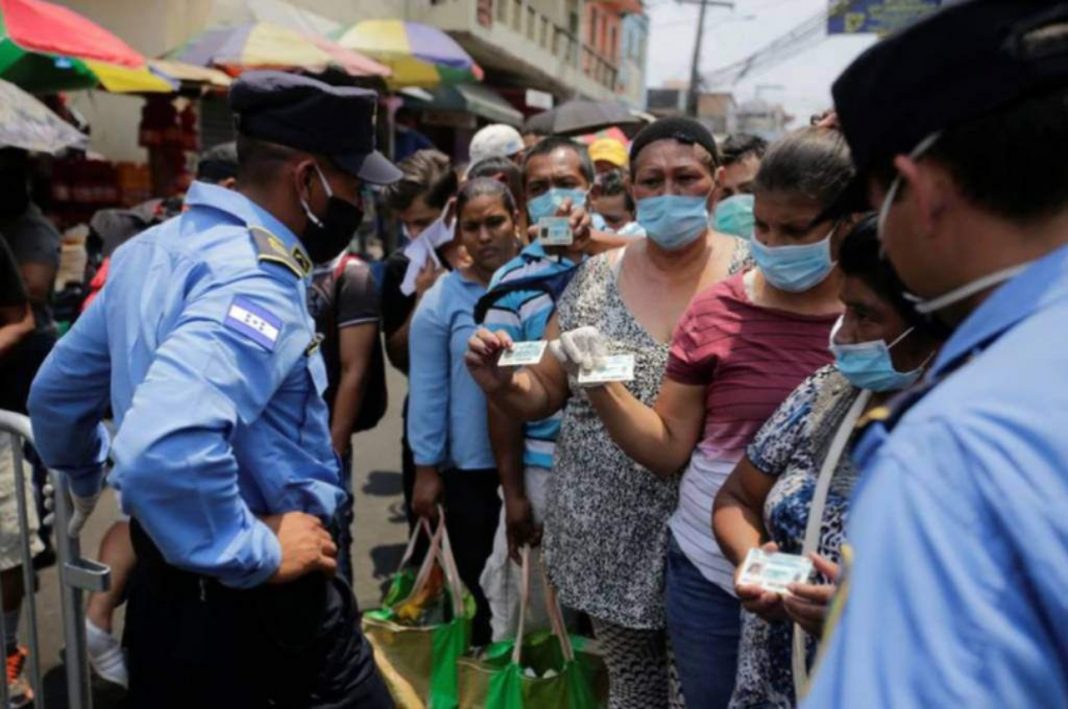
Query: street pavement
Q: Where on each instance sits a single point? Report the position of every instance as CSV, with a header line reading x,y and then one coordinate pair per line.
x,y
380,535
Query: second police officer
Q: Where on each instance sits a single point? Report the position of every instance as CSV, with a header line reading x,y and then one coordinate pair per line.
x,y
202,344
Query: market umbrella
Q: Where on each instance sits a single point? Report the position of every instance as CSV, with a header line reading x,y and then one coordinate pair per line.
x,y
191,73
263,45
46,48
27,123
418,54
580,117
614,133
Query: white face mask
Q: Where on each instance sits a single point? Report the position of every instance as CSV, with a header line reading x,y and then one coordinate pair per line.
x,y
933,305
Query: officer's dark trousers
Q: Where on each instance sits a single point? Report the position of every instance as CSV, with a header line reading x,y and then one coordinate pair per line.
x,y
194,643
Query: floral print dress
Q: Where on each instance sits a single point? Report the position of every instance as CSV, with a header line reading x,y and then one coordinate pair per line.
x,y
791,447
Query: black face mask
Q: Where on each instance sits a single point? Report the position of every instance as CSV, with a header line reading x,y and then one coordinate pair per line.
x,y
326,237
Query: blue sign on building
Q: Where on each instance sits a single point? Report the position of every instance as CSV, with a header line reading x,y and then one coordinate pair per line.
x,y
877,16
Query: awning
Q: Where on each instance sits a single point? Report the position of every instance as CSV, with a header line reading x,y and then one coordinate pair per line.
x,y
480,100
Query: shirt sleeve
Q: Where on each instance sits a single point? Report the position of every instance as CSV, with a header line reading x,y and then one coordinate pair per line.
x,y
395,305
774,444
12,290
217,368
428,406
357,299
34,239
686,365
69,398
903,632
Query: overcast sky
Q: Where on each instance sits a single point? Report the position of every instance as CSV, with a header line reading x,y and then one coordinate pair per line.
x,y
801,83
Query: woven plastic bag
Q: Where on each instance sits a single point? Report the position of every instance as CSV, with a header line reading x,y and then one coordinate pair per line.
x,y
544,670
423,627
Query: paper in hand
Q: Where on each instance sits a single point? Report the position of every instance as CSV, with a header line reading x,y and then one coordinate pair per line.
x,y
614,368
774,572
523,353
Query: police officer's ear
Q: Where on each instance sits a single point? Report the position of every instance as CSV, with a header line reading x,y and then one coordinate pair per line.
x,y
305,178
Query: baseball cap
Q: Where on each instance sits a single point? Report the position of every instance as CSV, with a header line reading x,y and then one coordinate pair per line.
x,y
496,140
307,114
609,150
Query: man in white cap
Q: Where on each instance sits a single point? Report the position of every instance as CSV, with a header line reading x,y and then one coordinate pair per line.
x,y
497,140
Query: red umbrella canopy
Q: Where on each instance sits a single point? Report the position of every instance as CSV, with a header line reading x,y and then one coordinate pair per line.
x,y
38,26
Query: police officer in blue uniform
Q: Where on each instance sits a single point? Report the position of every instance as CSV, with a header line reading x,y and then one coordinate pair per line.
x,y
202,344
955,595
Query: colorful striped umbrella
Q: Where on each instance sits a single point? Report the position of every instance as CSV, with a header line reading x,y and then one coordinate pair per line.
x,y
263,45
418,54
46,47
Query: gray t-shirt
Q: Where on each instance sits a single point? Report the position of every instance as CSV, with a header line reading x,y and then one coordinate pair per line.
x,y
33,239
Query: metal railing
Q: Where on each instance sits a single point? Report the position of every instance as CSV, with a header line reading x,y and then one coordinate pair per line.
x,y
76,575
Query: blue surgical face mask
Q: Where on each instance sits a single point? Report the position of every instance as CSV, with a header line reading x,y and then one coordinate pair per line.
x,y
794,269
547,204
734,216
673,221
868,365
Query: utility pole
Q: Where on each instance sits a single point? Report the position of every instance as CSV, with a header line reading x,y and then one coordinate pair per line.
x,y
695,64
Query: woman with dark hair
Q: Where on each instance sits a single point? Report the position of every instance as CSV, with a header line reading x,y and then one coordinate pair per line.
x,y
791,490
740,348
605,531
447,413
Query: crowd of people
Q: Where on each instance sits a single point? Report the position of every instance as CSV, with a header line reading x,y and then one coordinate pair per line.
x,y
846,348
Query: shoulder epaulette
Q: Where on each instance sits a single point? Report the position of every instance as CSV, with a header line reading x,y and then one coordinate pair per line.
x,y
270,248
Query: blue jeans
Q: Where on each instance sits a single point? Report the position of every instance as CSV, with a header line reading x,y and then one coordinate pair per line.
x,y
704,624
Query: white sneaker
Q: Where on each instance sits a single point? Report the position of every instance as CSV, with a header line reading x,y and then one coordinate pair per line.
x,y
105,655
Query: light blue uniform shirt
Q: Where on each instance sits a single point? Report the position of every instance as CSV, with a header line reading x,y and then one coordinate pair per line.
x,y
958,591
524,315
200,340
446,409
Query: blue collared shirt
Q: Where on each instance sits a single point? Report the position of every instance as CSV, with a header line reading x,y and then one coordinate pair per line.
x,y
524,315
203,350
958,590
446,408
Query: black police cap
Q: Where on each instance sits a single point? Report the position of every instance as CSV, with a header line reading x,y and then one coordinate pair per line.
x,y
966,60
307,114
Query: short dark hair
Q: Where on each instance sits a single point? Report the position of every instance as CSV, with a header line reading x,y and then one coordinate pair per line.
x,y
427,174
481,187
813,161
553,143
499,166
739,146
218,163
258,160
860,257
613,183
982,155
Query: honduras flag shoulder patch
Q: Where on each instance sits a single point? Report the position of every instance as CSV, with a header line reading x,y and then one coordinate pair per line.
x,y
254,322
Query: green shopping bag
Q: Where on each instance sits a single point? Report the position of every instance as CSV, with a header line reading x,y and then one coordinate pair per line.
x,y
423,626
565,677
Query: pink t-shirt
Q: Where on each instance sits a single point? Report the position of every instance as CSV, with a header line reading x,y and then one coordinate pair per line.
x,y
750,358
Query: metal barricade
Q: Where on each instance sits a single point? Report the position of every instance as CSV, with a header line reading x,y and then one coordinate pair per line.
x,y
76,575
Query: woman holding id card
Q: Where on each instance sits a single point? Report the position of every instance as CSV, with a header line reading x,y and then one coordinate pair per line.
x,y
793,486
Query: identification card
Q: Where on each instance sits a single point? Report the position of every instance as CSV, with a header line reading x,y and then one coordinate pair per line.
x,y
774,572
555,231
617,368
523,353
